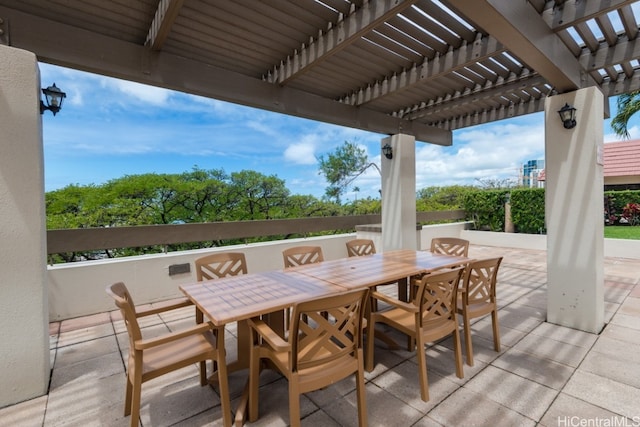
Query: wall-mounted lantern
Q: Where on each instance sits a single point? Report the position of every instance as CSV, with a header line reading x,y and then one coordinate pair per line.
x,y
387,151
568,116
53,98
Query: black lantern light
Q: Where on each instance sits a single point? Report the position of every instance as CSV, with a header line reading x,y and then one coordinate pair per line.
x,y
568,116
53,98
387,151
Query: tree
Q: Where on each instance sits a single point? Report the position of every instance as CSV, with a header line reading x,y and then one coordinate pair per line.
x,y
442,198
208,198
496,183
257,196
341,167
628,105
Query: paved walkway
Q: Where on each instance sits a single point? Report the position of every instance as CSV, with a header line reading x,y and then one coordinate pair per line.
x,y
545,375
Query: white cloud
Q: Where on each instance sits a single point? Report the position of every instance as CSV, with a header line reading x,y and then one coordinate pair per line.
x,y
486,152
634,133
147,94
301,153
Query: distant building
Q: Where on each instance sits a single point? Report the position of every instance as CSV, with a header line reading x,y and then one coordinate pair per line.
x,y
530,173
621,166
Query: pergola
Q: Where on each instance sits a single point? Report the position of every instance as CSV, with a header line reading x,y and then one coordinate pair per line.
x,y
411,69
418,67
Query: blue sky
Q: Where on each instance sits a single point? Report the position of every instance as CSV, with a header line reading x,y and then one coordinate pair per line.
x,y
108,128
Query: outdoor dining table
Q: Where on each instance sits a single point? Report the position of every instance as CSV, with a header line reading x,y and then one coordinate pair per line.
x,y
238,298
380,268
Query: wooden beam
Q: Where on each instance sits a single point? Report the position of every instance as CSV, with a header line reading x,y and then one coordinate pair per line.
x,y
517,25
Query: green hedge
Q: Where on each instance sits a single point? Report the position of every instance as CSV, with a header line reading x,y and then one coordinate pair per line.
x,y
486,208
527,210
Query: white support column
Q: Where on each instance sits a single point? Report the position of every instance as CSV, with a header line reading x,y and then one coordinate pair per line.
x,y
574,212
399,194
24,311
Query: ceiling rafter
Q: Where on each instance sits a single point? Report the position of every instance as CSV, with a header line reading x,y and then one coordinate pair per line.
x,y
466,55
520,29
606,56
162,22
487,92
573,12
534,105
337,38
622,85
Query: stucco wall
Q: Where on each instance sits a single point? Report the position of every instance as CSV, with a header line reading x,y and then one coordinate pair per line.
x,y
24,353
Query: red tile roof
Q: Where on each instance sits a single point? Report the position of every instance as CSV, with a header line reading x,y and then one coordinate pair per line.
x,y
622,158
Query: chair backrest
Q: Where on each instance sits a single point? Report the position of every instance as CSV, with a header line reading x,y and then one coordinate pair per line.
x,y
480,278
437,295
301,255
223,264
120,293
320,339
450,246
360,247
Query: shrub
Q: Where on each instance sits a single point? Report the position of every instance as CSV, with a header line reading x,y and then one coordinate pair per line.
x,y
486,208
527,210
631,213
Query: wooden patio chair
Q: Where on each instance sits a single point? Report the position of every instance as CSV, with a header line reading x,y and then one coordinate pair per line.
x,y
360,247
152,357
430,316
302,255
217,266
318,352
477,298
450,246
223,264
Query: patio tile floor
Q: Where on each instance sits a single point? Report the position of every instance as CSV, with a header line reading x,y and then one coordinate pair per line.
x,y
545,374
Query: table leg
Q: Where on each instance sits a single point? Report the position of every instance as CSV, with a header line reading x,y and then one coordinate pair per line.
x,y
276,321
402,289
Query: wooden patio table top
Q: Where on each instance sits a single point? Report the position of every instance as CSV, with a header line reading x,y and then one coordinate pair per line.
x,y
241,297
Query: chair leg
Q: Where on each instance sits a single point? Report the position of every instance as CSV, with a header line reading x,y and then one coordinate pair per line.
x,y
254,383
467,339
361,392
422,367
127,398
203,373
135,399
458,352
294,401
496,330
223,381
411,343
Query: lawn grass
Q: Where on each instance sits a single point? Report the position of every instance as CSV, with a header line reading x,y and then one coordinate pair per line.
x,y
622,232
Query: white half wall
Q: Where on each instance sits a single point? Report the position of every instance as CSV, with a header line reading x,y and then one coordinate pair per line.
x,y
24,316
78,288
